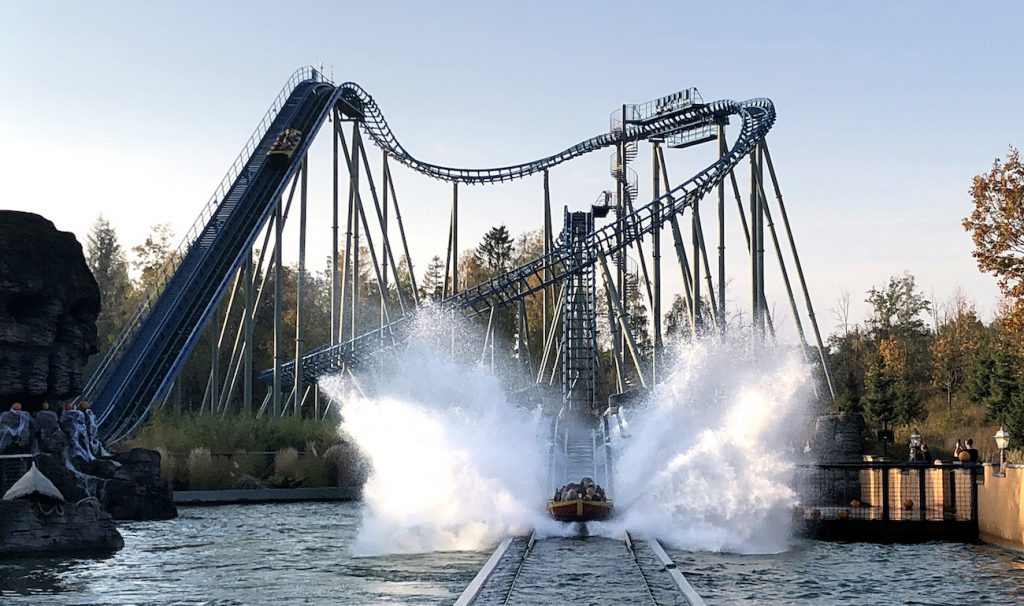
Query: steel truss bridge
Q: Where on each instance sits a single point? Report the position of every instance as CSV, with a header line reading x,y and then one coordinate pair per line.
x,y
218,259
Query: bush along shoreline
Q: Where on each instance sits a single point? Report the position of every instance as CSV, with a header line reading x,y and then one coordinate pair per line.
x,y
208,452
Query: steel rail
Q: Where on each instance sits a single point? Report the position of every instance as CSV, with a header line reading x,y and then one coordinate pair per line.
x,y
120,414
757,117
359,104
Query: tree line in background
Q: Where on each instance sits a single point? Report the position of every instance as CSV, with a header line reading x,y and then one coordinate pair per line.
x,y
913,362
937,365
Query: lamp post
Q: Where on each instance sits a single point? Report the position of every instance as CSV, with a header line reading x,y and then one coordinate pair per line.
x,y
1002,442
915,446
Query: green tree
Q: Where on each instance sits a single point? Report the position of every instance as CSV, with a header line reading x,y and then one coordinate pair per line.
x,y
957,336
109,265
432,284
637,319
677,323
153,255
494,253
896,308
850,357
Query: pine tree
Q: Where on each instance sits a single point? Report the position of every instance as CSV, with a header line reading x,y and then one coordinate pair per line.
x,y
881,394
432,285
107,261
494,253
677,324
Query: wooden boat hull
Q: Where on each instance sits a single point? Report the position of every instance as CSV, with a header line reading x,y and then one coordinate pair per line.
x,y
580,510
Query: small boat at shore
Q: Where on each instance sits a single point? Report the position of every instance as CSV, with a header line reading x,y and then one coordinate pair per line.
x,y
580,510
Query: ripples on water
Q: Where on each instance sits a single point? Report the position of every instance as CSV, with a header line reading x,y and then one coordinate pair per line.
x,y
814,572
299,554
253,554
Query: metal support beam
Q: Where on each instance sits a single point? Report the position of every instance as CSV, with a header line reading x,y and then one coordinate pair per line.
x,y
800,274
656,258
275,408
401,230
300,279
248,341
335,282
722,151
547,298
355,206
455,238
622,319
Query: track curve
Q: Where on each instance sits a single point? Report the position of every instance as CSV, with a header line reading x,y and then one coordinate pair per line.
x,y
375,125
158,337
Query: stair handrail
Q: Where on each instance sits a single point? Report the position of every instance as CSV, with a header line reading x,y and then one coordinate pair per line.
x,y
175,258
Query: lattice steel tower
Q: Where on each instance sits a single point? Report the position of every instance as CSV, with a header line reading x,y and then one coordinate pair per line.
x,y
579,325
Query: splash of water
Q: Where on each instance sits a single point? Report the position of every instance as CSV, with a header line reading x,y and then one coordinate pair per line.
x,y
708,464
452,464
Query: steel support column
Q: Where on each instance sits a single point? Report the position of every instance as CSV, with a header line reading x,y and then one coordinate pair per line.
x,y
248,341
722,151
335,283
800,273
355,205
300,279
275,408
656,254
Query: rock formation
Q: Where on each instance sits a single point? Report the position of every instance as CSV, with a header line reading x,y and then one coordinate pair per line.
x,y
49,302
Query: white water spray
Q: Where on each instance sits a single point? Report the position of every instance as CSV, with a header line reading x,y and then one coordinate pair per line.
x,y
708,462
453,465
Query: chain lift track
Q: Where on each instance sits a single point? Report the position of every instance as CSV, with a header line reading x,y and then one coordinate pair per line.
x,y
158,337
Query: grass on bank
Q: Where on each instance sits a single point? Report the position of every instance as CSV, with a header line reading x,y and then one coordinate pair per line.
x,y
209,452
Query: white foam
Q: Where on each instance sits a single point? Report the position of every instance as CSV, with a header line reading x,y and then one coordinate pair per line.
x,y
453,465
708,462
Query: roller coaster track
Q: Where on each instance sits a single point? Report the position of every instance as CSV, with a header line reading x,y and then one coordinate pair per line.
x,y
358,103
158,337
757,116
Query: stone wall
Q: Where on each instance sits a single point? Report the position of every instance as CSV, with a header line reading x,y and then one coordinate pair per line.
x,y
1000,514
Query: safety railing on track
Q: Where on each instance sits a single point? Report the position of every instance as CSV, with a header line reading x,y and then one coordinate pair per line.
x,y
173,263
758,117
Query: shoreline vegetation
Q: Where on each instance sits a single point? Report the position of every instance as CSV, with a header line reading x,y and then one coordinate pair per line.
x,y
211,452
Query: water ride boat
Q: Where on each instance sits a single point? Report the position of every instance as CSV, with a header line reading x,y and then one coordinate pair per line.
x,y
580,510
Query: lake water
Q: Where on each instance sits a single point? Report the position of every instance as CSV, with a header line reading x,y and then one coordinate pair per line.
x,y
299,554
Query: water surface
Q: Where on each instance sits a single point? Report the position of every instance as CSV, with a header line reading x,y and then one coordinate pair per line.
x,y
251,554
299,554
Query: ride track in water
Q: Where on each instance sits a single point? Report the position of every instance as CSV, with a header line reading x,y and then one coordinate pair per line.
x,y
139,368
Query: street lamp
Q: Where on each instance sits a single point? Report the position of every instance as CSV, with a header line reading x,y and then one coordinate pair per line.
x,y
915,446
1002,442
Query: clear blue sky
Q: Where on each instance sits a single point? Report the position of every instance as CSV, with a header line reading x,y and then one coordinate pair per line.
x,y
886,109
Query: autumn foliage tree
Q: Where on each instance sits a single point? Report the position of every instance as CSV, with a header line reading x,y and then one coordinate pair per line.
x,y
997,226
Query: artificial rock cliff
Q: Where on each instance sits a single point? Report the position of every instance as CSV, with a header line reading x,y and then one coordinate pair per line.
x,y
49,302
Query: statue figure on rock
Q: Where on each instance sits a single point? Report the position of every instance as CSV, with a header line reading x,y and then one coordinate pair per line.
x,y
51,438
76,429
17,429
92,430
